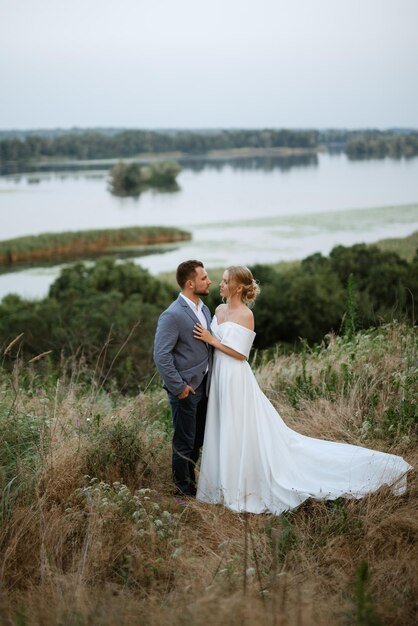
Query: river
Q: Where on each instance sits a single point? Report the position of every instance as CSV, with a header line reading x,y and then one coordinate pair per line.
x,y
243,210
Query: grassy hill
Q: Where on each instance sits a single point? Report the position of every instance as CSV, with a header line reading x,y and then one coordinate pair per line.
x,y
406,247
91,534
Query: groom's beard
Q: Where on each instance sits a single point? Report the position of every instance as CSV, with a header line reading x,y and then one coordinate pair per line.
x,y
201,292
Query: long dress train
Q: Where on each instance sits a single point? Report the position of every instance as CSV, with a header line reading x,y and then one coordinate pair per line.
x,y
253,462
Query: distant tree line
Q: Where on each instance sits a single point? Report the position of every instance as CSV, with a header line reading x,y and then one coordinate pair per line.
x,y
95,145
79,145
372,144
380,145
104,316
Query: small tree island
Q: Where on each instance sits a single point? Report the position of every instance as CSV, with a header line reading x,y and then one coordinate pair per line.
x,y
130,179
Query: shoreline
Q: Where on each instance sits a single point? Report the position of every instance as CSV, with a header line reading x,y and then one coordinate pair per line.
x,y
157,156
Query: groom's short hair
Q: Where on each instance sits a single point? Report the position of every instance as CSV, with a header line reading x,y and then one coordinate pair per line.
x,y
187,271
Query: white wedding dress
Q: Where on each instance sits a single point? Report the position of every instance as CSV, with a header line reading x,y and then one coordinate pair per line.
x,y
253,462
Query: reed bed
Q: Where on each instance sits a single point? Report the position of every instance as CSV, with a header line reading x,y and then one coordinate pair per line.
x,y
79,244
91,533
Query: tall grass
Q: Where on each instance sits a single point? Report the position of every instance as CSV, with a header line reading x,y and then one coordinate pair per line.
x,y
95,536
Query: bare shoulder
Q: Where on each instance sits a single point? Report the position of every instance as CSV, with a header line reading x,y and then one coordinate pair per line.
x,y
220,313
246,318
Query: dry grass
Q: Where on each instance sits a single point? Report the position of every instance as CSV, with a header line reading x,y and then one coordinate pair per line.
x,y
104,550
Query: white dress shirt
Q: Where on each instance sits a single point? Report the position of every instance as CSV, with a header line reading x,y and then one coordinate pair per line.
x,y
197,310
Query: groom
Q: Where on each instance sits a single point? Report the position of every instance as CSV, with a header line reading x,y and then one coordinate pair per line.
x,y
185,365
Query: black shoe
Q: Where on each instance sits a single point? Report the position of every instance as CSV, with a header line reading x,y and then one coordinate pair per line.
x,y
190,493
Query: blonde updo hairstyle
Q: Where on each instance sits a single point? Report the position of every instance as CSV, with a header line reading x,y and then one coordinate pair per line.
x,y
241,276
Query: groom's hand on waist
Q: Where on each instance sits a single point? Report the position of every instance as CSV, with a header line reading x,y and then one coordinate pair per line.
x,y
186,392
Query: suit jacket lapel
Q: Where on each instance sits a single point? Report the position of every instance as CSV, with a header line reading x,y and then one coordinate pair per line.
x,y
188,310
205,309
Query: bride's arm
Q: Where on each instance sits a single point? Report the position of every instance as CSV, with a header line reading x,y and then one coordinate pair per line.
x,y
204,335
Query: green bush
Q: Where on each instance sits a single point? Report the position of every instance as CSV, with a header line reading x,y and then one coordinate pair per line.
x,y
104,315
314,298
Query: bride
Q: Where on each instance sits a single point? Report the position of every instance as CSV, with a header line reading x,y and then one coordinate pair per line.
x,y
251,460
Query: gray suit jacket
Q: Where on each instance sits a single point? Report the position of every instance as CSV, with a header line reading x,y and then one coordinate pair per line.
x,y
180,358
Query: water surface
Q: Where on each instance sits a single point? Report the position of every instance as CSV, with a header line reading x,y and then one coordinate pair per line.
x,y
252,210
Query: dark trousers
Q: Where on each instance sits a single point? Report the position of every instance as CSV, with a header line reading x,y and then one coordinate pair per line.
x,y
189,417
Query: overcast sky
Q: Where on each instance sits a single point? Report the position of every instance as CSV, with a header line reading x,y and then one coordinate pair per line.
x,y
203,64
